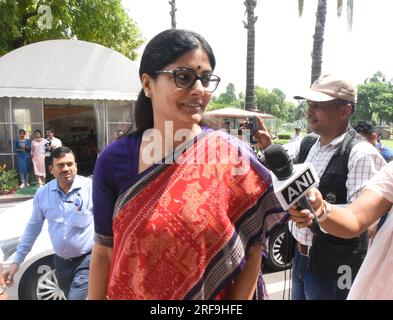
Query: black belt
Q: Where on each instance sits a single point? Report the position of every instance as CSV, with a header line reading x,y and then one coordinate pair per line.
x,y
74,258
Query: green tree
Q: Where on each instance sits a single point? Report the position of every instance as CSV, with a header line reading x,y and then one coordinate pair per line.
x,y
100,21
242,100
226,99
229,96
300,111
375,100
264,99
273,103
377,77
367,93
384,105
214,105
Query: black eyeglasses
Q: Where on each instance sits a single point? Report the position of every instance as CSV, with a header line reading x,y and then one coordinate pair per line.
x,y
185,78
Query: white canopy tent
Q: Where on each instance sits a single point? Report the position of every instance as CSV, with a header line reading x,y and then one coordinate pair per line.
x,y
237,113
94,87
68,69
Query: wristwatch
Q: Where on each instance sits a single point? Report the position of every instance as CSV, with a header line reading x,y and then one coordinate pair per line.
x,y
3,289
327,207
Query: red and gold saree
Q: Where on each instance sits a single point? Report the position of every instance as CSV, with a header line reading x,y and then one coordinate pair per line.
x,y
182,231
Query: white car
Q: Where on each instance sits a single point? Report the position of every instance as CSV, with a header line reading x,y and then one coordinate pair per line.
x,y
35,279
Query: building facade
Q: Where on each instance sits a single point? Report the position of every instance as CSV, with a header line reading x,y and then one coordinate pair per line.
x,y
84,91
85,126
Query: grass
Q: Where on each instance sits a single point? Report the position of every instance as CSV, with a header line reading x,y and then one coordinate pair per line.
x,y
27,191
388,143
280,141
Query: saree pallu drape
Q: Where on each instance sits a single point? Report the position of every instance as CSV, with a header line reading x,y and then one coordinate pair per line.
x,y
183,230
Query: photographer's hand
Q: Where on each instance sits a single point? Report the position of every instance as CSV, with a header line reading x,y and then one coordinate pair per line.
x,y
262,135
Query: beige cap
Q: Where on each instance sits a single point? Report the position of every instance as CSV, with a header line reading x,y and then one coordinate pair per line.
x,y
327,88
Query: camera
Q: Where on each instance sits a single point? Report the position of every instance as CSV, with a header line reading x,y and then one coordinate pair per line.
x,y
48,146
252,125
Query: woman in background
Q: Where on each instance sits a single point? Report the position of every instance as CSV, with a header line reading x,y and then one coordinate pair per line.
x,y
38,156
22,148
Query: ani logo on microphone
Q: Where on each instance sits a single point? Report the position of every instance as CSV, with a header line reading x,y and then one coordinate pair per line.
x,y
299,186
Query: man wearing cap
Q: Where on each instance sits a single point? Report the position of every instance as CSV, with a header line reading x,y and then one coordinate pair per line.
x,y
323,265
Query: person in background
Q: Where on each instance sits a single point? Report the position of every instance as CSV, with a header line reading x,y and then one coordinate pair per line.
x,y
344,163
374,280
293,144
22,148
66,203
90,153
171,223
227,126
51,144
367,130
3,286
38,157
296,138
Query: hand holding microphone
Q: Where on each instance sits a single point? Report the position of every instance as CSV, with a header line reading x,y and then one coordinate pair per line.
x,y
304,218
291,182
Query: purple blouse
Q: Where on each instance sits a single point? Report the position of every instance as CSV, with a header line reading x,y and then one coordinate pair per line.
x,y
115,171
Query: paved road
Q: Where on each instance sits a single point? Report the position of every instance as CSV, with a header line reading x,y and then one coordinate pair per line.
x,y
6,205
277,283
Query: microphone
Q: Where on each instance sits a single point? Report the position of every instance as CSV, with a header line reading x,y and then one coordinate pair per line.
x,y
291,182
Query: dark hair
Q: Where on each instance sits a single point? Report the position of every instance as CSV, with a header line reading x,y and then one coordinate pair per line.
x,y
164,49
22,131
51,130
342,102
35,131
365,127
60,152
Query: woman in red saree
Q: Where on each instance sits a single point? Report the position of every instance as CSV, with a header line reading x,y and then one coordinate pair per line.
x,y
185,224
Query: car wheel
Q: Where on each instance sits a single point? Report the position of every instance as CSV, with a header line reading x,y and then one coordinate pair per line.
x,y
275,260
39,282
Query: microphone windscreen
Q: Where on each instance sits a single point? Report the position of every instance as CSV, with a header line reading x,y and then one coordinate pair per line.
x,y
278,161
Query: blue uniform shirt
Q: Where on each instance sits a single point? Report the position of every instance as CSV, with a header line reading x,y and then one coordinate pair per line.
x,y
70,219
386,152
